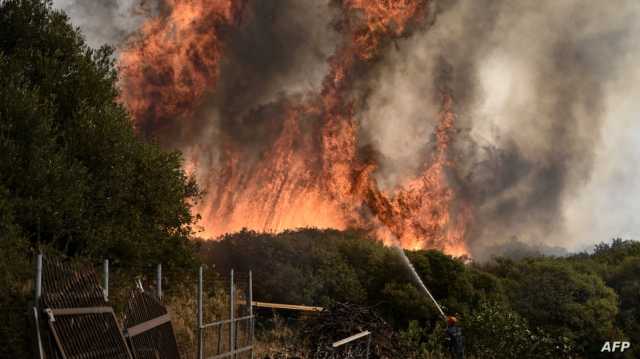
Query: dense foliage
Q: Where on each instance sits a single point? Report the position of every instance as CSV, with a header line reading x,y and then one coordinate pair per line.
x,y
74,177
71,165
527,308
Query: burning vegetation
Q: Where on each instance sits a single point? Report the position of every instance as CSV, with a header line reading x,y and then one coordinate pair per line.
x,y
281,141
449,125
309,167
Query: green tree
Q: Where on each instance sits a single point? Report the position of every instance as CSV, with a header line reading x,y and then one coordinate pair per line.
x,y
551,294
74,176
616,251
625,281
15,270
78,177
291,267
495,331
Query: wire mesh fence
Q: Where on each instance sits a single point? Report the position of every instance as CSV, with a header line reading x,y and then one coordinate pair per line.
x,y
179,314
79,320
80,299
98,287
226,329
148,327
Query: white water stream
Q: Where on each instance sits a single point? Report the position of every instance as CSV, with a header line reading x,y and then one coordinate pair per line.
x,y
419,280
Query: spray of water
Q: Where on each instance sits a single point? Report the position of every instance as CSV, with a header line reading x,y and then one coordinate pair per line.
x,y
406,260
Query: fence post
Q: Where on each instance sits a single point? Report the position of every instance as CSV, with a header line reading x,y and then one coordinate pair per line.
x,y
232,323
105,280
38,289
36,306
199,319
251,322
159,280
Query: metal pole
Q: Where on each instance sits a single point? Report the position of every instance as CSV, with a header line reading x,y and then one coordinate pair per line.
x,y
200,333
159,280
38,335
38,294
38,291
251,321
368,345
105,280
232,323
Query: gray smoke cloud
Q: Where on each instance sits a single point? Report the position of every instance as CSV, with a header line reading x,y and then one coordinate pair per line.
x,y
278,54
107,22
533,85
281,50
544,92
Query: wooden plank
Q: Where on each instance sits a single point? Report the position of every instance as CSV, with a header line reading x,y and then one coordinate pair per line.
x,y
350,339
304,308
79,311
148,325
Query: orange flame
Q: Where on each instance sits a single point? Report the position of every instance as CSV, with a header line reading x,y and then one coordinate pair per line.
x,y
303,180
175,59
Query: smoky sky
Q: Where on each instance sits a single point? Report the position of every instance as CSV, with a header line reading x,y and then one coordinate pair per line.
x,y
276,56
532,83
107,22
547,144
279,51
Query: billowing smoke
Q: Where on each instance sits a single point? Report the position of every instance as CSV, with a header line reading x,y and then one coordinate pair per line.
x,y
279,50
331,113
530,82
276,50
107,22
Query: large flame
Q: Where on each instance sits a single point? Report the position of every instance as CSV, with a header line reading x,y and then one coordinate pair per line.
x,y
314,174
175,59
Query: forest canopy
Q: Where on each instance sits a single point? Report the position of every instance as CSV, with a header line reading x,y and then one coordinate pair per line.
x,y
73,172
74,176
536,306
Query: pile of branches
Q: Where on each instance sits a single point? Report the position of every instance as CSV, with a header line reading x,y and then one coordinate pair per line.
x,y
343,320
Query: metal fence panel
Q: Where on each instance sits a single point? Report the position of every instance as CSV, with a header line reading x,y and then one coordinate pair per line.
x,y
81,323
148,327
232,335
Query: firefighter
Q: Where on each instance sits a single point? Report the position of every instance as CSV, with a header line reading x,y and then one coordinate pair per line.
x,y
455,340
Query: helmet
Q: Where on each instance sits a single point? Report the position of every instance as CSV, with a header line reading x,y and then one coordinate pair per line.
x,y
451,320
